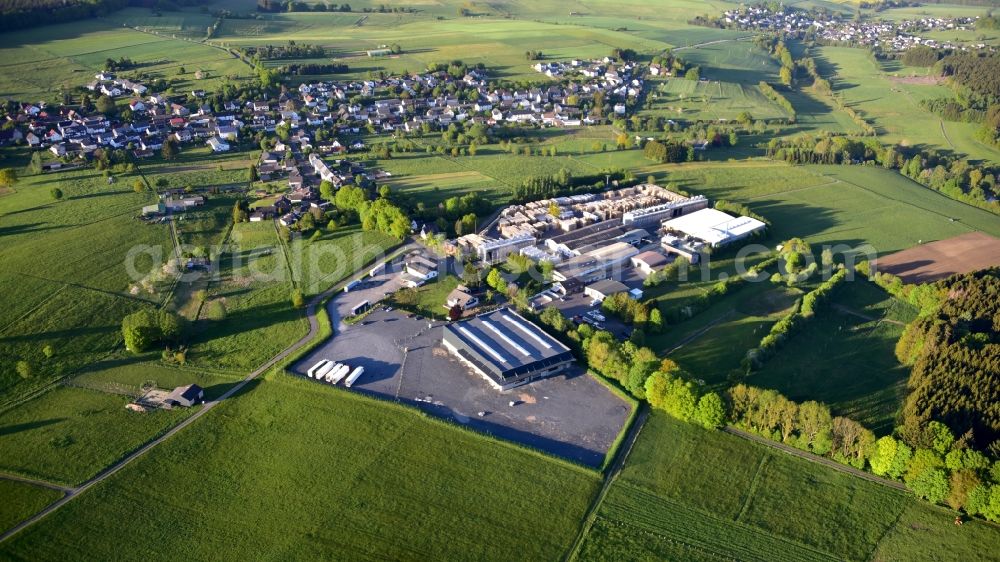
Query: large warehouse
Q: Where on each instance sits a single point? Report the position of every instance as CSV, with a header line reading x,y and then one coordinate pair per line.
x,y
714,227
506,349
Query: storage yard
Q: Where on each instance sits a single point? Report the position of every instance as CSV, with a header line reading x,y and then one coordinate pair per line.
x,y
569,414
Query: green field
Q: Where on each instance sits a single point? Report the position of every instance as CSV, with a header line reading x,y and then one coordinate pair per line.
x,y
69,434
247,316
711,345
859,376
685,100
21,501
688,493
38,67
893,105
303,470
732,61
66,280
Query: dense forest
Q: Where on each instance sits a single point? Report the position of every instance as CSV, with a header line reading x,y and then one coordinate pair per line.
x,y
19,14
981,75
955,353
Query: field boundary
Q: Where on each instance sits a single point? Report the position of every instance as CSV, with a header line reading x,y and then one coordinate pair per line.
x,y
609,479
14,477
764,459
815,459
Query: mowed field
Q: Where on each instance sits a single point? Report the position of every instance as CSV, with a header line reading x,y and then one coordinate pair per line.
x,y
303,471
893,105
38,66
691,494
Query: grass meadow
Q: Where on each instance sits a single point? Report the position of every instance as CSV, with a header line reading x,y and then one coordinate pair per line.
x,y
893,105
247,315
65,276
68,434
302,470
21,501
859,376
38,66
695,494
686,100
711,345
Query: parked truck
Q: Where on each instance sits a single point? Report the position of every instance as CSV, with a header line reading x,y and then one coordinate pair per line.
x,y
325,370
339,374
312,372
330,374
355,374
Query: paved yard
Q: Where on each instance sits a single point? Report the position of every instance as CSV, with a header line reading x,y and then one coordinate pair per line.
x,y
570,415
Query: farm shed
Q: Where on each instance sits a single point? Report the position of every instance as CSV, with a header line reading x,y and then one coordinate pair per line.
x,y
186,396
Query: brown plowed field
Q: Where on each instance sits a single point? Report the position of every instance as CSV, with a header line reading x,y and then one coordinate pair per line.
x,y
937,260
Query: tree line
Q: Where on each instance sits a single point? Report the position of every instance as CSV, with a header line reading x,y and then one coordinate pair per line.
x,y
289,51
975,184
305,69
803,311
564,182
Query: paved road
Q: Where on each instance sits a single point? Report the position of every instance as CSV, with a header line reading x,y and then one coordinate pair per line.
x,y
208,406
813,458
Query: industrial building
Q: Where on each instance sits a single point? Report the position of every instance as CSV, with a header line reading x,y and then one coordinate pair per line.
x,y
713,227
495,251
506,349
653,216
604,289
596,264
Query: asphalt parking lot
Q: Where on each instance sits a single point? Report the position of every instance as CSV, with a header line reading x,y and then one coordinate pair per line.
x,y
571,415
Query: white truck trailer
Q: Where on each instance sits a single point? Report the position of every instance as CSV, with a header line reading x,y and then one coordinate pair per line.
x,y
325,370
329,374
354,376
312,372
339,374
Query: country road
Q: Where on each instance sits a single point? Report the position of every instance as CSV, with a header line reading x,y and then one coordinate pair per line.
x,y
39,483
73,492
707,43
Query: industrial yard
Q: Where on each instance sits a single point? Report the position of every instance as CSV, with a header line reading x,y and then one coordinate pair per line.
x,y
570,414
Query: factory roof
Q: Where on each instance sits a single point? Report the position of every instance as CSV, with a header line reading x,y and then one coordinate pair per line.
x,y
714,226
504,344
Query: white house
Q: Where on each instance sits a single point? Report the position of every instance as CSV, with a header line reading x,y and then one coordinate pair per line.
x,y
419,270
218,145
